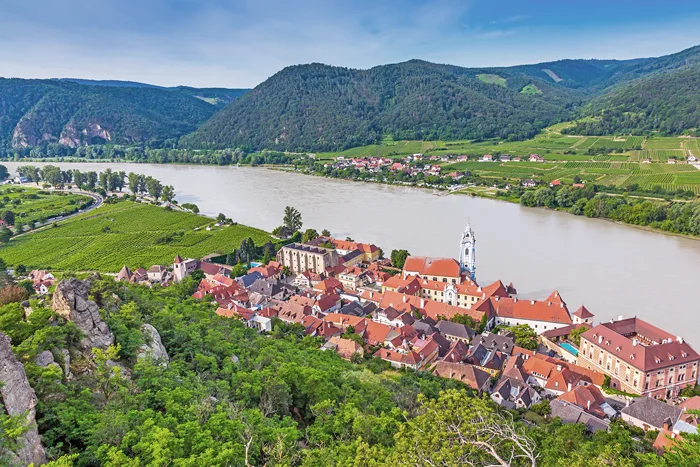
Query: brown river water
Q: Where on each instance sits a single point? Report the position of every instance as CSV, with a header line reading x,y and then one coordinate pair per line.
x,y
613,269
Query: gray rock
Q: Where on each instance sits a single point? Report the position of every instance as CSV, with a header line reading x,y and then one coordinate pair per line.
x,y
45,358
20,400
70,300
66,363
153,348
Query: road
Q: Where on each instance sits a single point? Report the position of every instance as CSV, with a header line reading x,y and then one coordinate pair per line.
x,y
98,202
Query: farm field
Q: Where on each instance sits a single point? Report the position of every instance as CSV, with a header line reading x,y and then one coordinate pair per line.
x,y
125,233
610,160
31,204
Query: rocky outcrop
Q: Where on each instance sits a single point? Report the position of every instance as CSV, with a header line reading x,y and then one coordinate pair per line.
x,y
154,347
70,300
44,359
20,400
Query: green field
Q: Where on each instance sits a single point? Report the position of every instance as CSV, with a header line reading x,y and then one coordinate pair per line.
x,y
128,233
32,204
609,160
493,79
531,90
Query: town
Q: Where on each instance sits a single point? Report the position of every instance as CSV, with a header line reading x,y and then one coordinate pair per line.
x,y
432,315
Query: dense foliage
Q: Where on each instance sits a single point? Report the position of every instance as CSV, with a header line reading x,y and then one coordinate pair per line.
x,y
319,107
668,103
231,397
44,112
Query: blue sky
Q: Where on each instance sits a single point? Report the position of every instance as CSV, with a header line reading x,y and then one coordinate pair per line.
x,y
241,43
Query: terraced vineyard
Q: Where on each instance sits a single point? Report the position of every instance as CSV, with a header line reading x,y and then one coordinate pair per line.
x,y
610,160
125,233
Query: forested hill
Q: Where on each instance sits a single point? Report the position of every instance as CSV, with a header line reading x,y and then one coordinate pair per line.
x,y
665,102
320,107
36,112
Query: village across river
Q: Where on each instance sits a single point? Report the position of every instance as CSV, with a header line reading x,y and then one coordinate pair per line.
x,y
613,269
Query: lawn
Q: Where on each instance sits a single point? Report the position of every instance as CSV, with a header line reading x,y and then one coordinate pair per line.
x,y
128,233
31,204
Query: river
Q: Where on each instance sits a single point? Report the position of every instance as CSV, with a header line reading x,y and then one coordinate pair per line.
x,y
613,269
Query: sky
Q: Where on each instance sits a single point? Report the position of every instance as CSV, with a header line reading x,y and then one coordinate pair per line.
x,y
239,44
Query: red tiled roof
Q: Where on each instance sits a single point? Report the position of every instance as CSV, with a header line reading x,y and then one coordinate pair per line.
x,y
535,310
446,267
612,338
589,398
583,313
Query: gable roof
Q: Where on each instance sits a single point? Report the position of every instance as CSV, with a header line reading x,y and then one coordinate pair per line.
x,y
653,412
470,375
583,313
428,266
589,398
448,328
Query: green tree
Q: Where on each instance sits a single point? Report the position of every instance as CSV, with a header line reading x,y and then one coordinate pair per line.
x,y
292,219
168,193
326,233
154,187
8,217
133,182
309,234
525,336
398,258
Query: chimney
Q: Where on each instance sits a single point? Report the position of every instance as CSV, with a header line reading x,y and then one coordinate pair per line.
x,y
515,299
619,318
634,342
422,303
561,305
589,405
549,303
679,339
404,298
532,302
569,387
559,368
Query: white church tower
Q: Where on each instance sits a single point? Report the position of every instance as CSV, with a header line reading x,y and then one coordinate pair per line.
x,y
467,252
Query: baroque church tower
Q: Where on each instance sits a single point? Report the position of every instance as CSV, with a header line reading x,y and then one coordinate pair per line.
x,y
467,252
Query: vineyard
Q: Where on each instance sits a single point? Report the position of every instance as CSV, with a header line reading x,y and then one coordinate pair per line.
x,y
125,233
31,204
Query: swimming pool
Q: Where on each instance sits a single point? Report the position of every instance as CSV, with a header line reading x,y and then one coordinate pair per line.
x,y
569,348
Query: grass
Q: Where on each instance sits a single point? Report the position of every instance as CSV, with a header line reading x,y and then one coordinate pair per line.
x,y
32,204
530,90
492,79
128,233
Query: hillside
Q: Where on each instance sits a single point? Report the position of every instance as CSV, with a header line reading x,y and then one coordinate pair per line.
x,y
319,107
322,108
37,112
666,102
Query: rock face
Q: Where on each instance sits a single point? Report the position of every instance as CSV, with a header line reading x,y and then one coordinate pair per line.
x,y
44,359
154,347
20,399
70,300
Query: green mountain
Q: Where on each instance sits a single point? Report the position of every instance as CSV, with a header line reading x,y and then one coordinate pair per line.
x,y
37,112
319,107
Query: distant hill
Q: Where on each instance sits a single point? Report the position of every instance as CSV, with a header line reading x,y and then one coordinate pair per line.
x,y
667,102
37,112
320,107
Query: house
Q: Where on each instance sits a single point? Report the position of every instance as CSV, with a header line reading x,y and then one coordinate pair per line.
x,y
183,267
511,392
487,158
299,257
648,413
124,274
42,287
640,358
591,400
267,271
416,355
504,158
470,375
582,316
249,279
671,160
307,279
435,269
346,348
156,273
692,158
502,342
455,332
554,183
572,413
489,360
529,183
536,158
38,275
357,308
392,317
540,315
